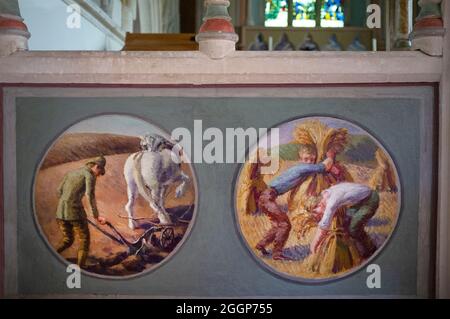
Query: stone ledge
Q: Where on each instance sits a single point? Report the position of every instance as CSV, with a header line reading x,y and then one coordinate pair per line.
x,y
241,67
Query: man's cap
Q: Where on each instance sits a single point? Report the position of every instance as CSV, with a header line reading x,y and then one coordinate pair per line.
x,y
100,161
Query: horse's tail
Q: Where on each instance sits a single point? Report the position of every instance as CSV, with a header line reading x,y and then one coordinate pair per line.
x,y
139,179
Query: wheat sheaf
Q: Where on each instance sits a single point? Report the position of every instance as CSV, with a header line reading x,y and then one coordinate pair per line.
x,y
320,136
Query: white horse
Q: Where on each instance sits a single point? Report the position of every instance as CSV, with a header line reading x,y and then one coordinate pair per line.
x,y
149,173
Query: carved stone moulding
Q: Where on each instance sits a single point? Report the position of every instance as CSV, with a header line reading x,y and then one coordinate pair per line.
x,y
217,37
428,33
14,34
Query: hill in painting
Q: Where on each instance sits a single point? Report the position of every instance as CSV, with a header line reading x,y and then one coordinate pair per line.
x,y
360,149
77,146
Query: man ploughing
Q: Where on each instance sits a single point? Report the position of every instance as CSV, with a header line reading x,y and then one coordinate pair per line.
x,y
70,214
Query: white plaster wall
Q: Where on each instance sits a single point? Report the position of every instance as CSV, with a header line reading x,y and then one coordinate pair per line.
x,y
46,21
159,16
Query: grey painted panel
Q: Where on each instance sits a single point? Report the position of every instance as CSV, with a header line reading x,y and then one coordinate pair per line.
x,y
214,261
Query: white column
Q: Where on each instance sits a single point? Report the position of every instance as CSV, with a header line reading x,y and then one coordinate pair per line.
x,y
129,8
170,13
159,16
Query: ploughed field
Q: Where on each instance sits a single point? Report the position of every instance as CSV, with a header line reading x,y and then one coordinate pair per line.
x,y
106,256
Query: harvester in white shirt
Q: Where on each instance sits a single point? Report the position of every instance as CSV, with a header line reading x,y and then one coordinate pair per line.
x,y
360,203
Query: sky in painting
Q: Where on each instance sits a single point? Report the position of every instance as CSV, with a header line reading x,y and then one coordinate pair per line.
x,y
287,128
114,124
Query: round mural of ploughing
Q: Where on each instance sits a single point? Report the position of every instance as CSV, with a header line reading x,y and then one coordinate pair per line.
x,y
329,206
113,195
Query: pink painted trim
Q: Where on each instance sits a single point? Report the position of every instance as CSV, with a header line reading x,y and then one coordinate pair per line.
x,y
2,211
12,24
429,23
217,25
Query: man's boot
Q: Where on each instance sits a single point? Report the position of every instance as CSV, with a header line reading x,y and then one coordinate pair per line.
x,y
82,256
262,249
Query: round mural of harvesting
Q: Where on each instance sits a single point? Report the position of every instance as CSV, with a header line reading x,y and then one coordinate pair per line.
x,y
317,199
113,195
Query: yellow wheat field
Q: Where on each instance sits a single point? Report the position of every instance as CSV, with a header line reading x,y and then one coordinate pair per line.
x,y
254,228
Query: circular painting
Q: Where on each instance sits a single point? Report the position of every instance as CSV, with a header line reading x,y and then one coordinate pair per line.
x,y
113,195
317,199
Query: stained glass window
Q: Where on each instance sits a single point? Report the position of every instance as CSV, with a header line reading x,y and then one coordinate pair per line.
x,y
332,14
304,12
276,13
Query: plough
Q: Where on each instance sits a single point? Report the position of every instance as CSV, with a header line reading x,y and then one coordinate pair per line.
x,y
160,236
